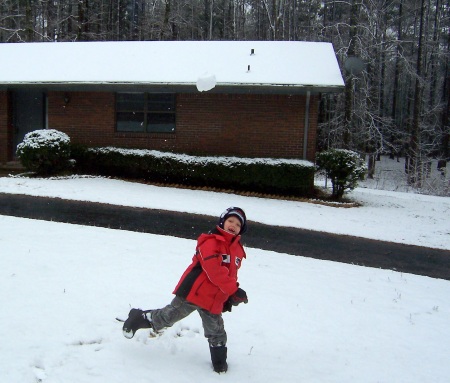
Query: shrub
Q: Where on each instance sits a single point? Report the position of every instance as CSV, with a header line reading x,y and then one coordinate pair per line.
x,y
265,175
344,168
45,151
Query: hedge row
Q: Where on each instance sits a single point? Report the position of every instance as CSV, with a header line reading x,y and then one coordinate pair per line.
x,y
275,176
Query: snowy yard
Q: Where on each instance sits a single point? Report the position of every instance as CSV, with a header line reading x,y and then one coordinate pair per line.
x,y
307,320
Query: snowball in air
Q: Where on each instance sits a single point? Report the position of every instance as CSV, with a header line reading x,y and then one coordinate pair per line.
x,y
206,82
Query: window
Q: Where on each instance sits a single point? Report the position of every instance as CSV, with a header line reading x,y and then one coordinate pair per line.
x,y
145,112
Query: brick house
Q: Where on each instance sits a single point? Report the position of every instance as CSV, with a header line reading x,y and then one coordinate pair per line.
x,y
233,98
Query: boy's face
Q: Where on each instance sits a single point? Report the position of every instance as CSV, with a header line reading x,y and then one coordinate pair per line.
x,y
232,225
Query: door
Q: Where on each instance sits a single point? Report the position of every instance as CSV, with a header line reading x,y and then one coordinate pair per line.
x,y
28,113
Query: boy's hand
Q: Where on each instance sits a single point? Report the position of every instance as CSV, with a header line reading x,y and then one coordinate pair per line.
x,y
227,306
240,296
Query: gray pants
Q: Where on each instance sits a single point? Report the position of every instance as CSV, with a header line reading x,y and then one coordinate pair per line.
x,y
180,308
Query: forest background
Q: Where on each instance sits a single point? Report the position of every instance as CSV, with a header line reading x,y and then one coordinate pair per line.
x,y
394,56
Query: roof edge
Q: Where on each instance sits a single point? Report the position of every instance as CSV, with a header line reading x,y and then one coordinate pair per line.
x,y
173,87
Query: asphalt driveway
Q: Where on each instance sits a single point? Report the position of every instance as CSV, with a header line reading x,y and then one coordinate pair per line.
x,y
434,263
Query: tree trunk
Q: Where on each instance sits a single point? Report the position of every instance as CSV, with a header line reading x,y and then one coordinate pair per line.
x,y
349,78
415,173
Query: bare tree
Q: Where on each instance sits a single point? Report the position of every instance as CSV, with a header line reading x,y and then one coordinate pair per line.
x,y
398,103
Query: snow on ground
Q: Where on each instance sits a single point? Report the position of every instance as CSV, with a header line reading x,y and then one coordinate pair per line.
x,y
393,216
62,285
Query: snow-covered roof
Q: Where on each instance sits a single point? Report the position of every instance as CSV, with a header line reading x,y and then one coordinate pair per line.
x,y
275,64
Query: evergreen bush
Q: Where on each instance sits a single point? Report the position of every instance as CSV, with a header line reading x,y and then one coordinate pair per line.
x,y
45,151
343,167
264,175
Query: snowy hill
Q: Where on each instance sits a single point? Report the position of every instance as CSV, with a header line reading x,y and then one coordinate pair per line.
x,y
307,320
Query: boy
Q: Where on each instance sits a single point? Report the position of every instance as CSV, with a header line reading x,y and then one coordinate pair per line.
x,y
209,285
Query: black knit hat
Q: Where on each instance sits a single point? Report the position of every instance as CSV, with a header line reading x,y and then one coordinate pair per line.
x,y
236,212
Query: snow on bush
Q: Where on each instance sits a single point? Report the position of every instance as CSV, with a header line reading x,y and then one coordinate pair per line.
x,y
188,159
45,151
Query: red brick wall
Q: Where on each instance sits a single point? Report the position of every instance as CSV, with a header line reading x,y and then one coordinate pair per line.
x,y
312,130
87,117
243,125
5,128
218,124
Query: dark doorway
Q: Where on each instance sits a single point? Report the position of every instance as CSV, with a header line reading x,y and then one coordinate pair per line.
x,y
29,113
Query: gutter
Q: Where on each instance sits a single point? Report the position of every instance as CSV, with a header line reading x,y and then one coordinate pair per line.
x,y
171,87
306,129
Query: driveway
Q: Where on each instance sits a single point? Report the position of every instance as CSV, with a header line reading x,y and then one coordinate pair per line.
x,y
434,263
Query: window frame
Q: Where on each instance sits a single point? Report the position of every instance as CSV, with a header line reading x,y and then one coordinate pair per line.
x,y
168,111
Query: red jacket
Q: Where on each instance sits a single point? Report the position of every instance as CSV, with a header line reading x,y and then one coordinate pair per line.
x,y
212,276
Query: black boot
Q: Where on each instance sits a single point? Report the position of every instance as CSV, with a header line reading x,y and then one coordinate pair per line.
x,y
219,358
137,319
